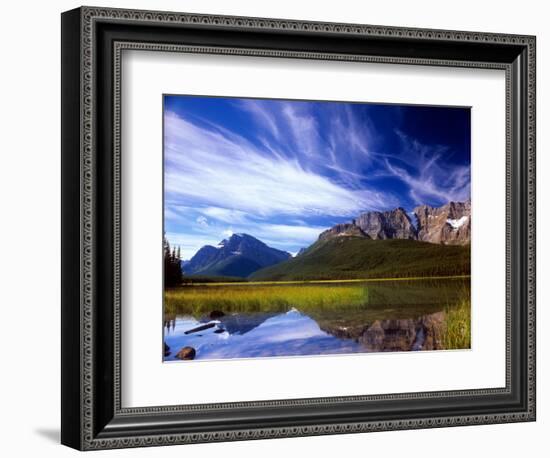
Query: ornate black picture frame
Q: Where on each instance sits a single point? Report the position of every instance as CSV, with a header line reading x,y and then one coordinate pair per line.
x,y
92,42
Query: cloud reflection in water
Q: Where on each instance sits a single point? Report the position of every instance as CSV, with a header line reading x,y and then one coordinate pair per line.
x,y
256,335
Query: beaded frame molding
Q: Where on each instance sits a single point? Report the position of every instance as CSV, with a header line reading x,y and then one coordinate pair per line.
x,y
93,40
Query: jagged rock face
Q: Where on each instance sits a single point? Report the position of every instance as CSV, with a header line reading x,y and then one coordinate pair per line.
x,y
399,225
449,224
342,230
372,224
394,224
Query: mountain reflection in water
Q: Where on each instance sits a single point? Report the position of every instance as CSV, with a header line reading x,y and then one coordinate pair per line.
x,y
246,335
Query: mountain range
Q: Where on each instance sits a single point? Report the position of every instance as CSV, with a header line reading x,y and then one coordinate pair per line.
x,y
447,225
375,243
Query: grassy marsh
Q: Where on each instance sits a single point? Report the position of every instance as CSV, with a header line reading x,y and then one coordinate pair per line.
x,y
352,303
197,300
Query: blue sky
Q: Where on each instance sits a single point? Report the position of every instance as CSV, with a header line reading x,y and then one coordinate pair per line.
x,y
283,171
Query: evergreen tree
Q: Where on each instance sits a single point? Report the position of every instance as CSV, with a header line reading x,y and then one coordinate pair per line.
x,y
172,264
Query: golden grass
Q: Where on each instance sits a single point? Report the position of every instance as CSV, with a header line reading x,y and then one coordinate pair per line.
x,y
457,335
263,298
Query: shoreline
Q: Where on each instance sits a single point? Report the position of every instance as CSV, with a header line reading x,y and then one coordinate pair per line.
x,y
305,282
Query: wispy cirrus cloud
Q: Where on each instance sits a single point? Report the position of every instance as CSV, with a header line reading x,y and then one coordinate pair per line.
x,y
428,176
284,171
226,215
264,117
212,169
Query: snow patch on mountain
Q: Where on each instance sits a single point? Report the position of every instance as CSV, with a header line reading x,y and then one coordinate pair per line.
x,y
456,223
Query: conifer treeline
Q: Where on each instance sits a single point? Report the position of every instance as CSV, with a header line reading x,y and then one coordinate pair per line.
x,y
172,265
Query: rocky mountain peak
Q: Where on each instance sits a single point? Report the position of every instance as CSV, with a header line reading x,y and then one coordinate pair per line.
x,y
448,224
342,230
393,224
238,255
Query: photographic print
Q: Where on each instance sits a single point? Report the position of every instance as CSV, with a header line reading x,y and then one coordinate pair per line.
x,y
305,228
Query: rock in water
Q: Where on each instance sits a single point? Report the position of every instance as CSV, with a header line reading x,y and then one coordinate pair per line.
x,y
215,314
186,353
166,350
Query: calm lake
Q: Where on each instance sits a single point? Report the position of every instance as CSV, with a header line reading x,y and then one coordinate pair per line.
x,y
246,321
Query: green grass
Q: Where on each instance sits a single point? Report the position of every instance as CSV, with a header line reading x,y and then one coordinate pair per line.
x,y
457,335
197,300
419,296
347,258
